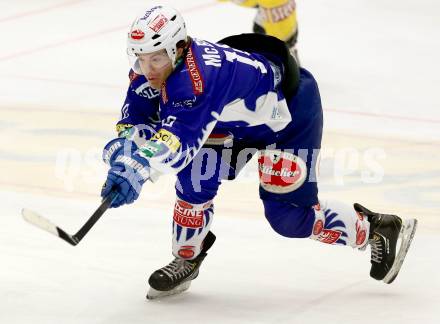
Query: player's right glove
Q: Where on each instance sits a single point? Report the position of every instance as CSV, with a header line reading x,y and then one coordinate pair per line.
x,y
128,171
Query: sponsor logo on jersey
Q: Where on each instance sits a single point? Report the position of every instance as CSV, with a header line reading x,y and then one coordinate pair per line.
x,y
186,103
279,13
167,138
158,23
281,172
150,149
124,130
329,236
137,34
194,73
144,90
188,217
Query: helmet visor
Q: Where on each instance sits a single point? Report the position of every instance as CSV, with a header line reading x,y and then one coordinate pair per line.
x,y
151,61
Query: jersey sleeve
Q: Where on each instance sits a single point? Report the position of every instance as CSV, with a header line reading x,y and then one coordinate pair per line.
x,y
187,123
140,109
278,18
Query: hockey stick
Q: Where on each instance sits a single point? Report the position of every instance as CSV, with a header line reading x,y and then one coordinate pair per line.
x,y
43,223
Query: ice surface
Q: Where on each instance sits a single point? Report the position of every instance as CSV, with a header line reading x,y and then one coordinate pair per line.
x,y
62,79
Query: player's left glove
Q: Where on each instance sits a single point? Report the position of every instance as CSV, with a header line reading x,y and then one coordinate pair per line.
x,y
127,174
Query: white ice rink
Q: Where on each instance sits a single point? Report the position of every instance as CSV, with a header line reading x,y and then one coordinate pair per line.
x,y
63,76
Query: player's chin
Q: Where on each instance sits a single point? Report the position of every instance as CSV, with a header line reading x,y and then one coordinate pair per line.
x,y
155,83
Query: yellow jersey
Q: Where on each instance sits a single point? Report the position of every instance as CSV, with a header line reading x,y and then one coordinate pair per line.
x,y
276,17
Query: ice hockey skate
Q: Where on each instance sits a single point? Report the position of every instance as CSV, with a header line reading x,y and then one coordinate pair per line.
x,y
176,277
386,231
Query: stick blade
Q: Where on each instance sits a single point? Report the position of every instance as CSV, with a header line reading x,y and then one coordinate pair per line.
x,y
43,223
37,220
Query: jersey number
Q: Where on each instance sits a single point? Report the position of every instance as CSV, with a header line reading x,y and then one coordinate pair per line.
x,y
233,56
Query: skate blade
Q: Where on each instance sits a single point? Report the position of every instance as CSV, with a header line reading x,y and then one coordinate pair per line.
x,y
406,235
157,294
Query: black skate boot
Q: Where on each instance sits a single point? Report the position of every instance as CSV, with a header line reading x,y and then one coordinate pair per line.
x,y
385,231
176,277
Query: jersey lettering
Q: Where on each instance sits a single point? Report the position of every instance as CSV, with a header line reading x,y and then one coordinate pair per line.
x,y
232,56
124,111
169,121
212,56
144,90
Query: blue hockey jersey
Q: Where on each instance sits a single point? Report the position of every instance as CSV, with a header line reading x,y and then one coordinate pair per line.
x,y
217,92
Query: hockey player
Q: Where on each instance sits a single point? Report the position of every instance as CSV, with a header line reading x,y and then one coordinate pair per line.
x,y
275,18
201,110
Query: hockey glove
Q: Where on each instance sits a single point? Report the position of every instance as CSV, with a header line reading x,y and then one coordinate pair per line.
x,y
127,174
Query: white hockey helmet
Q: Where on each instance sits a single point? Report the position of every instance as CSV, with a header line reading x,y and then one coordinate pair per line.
x,y
158,27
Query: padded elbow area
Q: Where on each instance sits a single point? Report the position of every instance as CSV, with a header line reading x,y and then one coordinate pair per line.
x,y
289,220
